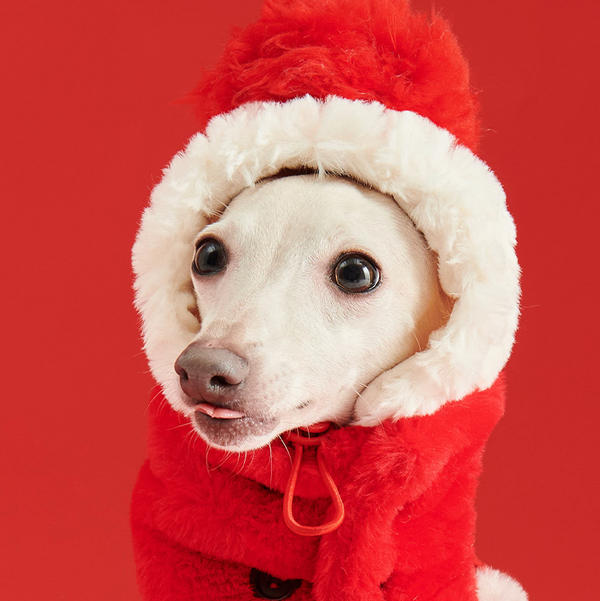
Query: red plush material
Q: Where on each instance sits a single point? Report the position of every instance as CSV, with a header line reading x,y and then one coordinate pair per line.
x,y
202,518
372,50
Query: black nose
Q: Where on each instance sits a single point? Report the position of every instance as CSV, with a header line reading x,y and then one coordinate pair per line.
x,y
210,374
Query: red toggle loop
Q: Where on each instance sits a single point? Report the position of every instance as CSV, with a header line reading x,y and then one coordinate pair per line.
x,y
311,436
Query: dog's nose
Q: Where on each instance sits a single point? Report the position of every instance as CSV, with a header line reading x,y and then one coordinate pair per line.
x,y
210,374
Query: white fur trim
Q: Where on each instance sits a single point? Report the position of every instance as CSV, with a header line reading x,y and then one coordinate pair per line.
x,y
450,195
493,585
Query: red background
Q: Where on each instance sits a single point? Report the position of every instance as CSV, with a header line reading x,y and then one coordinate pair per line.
x,y
88,126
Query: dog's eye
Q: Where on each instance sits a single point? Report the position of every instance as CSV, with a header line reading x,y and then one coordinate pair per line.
x,y
210,257
356,273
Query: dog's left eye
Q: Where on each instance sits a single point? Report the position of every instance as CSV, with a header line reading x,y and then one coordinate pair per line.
x,y
356,273
210,257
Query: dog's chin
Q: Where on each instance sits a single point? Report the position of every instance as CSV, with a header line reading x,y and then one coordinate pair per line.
x,y
240,434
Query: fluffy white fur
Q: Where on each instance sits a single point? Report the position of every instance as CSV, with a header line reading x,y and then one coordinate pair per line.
x,y
450,195
493,585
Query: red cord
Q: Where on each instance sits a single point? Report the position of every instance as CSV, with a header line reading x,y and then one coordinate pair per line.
x,y
300,441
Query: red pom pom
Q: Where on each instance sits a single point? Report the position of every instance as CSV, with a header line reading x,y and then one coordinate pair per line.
x,y
372,50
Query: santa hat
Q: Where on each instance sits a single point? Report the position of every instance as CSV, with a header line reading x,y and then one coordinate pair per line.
x,y
368,90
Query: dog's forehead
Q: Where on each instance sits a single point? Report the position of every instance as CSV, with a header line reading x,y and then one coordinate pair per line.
x,y
311,208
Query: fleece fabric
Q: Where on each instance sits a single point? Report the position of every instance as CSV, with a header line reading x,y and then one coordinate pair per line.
x,y
203,518
366,50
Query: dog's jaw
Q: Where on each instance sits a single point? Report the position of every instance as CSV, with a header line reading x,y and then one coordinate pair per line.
x,y
239,434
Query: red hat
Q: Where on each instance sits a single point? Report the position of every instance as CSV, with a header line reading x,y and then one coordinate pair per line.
x,y
370,50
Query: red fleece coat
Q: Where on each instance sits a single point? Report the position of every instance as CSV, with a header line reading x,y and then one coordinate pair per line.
x,y
202,518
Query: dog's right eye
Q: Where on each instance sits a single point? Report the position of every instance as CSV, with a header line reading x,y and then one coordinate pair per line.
x,y
356,273
210,257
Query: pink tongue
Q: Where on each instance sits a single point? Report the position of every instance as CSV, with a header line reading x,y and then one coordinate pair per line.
x,y
218,412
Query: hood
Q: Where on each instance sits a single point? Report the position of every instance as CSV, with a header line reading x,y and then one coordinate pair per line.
x,y
400,144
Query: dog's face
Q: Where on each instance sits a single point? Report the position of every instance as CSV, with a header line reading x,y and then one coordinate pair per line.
x,y
307,289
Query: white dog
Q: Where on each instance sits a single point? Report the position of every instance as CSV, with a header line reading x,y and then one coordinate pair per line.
x,y
273,300
309,287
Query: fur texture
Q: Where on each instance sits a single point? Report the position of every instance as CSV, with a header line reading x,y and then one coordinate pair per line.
x,y
493,585
450,195
368,50
202,517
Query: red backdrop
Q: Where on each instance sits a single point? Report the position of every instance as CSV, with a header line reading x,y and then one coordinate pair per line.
x,y
87,91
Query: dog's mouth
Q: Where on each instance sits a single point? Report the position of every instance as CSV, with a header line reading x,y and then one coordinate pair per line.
x,y
218,413
228,428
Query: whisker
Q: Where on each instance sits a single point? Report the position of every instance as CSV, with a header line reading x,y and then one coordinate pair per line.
x,y
286,448
237,472
418,342
253,456
155,396
179,426
228,454
236,462
206,461
244,462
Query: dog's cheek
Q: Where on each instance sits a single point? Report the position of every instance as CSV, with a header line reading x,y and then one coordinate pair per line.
x,y
334,385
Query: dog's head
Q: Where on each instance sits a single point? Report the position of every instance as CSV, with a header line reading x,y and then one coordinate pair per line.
x,y
308,287
269,304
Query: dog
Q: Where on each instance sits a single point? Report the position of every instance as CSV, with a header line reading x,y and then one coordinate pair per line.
x,y
329,293
309,287
294,298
